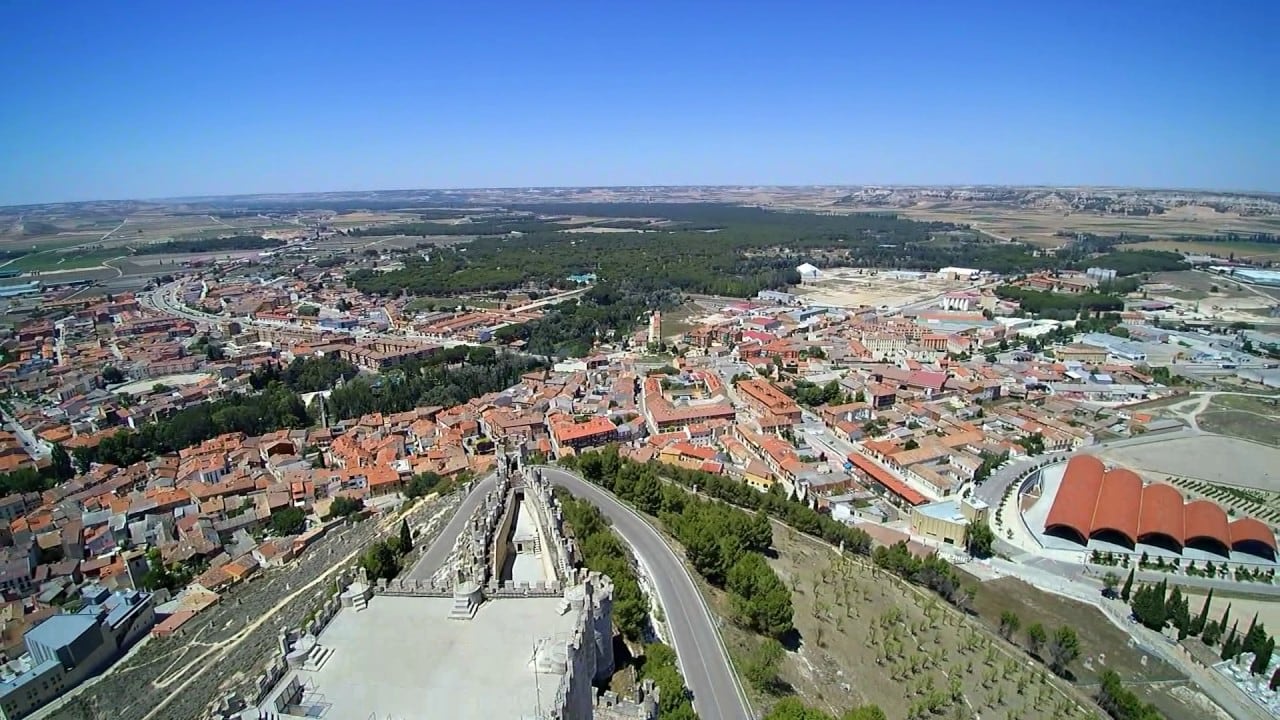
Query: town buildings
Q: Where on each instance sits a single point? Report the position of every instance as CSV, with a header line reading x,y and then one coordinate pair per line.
x,y
68,648
873,415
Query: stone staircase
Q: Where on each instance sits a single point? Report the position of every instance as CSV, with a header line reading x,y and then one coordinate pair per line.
x,y
463,608
318,657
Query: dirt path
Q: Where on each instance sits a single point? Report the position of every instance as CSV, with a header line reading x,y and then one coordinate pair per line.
x,y
1203,399
221,648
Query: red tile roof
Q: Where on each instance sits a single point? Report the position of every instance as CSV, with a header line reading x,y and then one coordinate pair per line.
x,y
885,478
1092,499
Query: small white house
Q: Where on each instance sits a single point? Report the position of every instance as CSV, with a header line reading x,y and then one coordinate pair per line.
x,y
808,273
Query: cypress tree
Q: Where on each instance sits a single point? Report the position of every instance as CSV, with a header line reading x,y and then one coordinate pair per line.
x,y
1140,604
1173,608
1263,657
1226,618
1229,646
1160,608
1253,624
1128,587
406,539
1211,633
1198,626
1254,637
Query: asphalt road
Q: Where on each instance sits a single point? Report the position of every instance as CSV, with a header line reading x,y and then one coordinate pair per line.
x,y
434,557
703,660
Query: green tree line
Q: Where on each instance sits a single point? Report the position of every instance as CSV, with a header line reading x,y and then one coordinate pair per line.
x,y
1135,262
1121,703
646,489
570,328
38,479
304,374
1059,306
275,408
602,551
220,244
723,543
706,248
450,377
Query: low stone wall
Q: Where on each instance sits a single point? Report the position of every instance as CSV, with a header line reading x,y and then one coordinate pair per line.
x,y
523,590
414,588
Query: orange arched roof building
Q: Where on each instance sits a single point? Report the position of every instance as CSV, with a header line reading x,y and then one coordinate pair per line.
x,y
1162,513
1205,521
1093,500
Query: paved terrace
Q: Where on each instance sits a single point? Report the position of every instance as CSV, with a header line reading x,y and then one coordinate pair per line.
x,y
402,658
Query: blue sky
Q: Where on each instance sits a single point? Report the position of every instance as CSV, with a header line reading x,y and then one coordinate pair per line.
x,y
135,100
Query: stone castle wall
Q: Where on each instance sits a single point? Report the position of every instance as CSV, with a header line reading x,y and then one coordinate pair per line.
x,y
585,663
588,651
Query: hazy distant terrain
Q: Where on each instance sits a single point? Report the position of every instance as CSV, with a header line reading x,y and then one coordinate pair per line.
x,y
1041,215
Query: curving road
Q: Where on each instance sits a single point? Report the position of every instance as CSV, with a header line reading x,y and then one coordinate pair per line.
x,y
703,658
433,559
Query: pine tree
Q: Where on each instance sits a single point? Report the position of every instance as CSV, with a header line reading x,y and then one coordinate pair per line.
x,y
1128,587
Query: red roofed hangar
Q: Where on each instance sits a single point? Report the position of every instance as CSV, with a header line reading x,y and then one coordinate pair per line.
x,y
1113,505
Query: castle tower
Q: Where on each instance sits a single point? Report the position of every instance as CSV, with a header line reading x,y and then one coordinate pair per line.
x,y
602,624
655,328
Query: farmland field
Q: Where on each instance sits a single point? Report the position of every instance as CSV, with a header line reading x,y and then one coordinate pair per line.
x,y
1260,252
1200,283
48,261
1245,425
1041,225
1200,458
1251,418
681,320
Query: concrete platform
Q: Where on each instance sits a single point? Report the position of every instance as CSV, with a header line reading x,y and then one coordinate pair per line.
x,y
402,658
